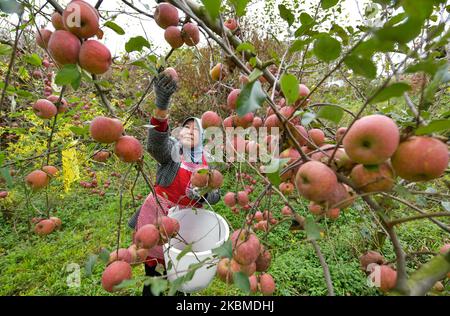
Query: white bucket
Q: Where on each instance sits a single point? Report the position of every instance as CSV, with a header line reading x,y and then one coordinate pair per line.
x,y
206,230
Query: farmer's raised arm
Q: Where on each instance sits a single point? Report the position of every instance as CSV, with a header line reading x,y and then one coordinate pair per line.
x,y
158,143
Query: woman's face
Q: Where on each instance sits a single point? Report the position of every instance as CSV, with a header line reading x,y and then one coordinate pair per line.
x,y
189,135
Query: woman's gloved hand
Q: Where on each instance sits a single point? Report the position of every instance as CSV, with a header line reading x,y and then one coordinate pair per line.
x,y
164,86
193,193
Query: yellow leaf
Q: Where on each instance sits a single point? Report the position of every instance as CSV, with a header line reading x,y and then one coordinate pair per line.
x,y
71,171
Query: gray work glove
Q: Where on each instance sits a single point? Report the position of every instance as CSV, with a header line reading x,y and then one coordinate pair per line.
x,y
193,193
164,86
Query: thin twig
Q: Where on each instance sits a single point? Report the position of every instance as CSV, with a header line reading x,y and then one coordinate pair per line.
x,y
421,216
11,61
326,270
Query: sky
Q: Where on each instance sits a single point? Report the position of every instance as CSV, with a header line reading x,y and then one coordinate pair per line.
x,y
146,27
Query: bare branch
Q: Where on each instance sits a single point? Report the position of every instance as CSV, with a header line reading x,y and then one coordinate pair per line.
x,y
326,270
11,61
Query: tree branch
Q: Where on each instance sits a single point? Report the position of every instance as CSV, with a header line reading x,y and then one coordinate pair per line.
x,y
11,61
413,218
438,223
326,270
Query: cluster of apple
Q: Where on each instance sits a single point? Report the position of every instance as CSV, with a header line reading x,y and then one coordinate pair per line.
x,y
373,156
44,226
47,108
39,179
47,76
147,237
264,219
109,130
386,275
70,43
93,184
383,275
236,200
101,156
249,256
240,200
205,178
166,16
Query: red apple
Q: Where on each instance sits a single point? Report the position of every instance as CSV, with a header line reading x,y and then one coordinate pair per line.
x,y
420,158
372,139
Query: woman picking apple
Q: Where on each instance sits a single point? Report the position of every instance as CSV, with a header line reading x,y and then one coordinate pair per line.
x,y
178,158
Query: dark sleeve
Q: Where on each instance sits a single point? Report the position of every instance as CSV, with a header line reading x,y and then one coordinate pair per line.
x,y
158,144
132,222
213,197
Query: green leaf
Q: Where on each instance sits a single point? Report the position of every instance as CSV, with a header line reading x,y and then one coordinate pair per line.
x,y
212,7
158,286
104,255
402,191
136,44
286,14
327,48
246,47
312,229
250,99
241,281
418,9
80,131
396,19
331,113
272,171
369,47
2,158
394,90
185,250
5,49
433,127
361,66
326,4
340,32
190,274
240,6
7,176
116,28
446,205
11,6
125,284
306,19
429,66
175,285
402,33
69,74
255,74
141,64
225,250
290,87
92,260
33,59
297,46
307,118
441,76
24,94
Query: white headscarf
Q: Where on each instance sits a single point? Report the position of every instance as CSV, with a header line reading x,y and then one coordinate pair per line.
x,y
195,154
